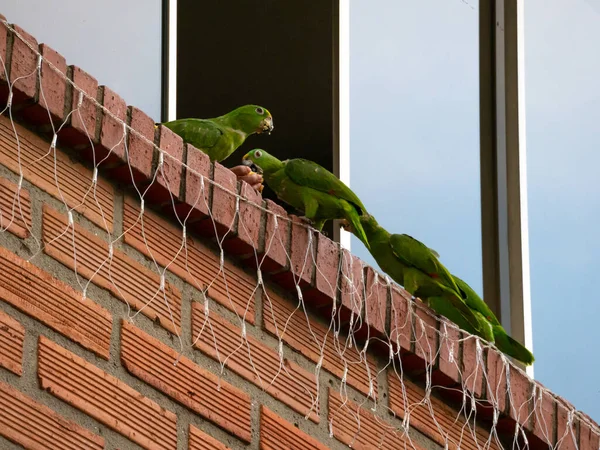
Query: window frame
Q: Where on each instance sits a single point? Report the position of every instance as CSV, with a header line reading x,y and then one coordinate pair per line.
x,y
504,217
504,214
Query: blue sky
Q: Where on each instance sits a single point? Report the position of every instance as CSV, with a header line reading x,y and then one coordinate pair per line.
x,y
415,157
415,142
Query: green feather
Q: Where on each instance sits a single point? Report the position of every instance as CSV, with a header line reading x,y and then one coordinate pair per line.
x,y
308,173
310,188
443,307
221,136
512,348
416,267
411,264
503,341
414,253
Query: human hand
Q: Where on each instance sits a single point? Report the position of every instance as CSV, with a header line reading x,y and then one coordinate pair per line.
x,y
244,173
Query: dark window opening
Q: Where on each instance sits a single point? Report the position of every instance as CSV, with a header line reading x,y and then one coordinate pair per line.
x,y
277,54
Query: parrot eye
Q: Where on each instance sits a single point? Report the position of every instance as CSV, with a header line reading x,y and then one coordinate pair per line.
x,y
260,111
257,154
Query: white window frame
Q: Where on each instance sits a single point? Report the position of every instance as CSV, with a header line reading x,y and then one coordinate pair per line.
x,y
341,132
505,227
169,99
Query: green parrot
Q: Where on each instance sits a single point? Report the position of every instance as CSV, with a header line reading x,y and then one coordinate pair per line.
x,y
310,188
416,267
221,136
412,264
493,330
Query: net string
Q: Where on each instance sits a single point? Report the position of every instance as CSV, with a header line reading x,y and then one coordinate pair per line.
x,y
335,327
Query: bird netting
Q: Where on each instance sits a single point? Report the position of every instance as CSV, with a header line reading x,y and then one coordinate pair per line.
x,y
82,233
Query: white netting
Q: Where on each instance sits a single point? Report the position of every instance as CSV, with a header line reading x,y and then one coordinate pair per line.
x,y
358,413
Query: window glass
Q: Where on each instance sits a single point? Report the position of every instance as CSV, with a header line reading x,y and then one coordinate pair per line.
x,y
563,111
117,42
414,121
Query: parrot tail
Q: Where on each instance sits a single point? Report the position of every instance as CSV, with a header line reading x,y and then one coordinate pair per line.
x,y
357,228
509,346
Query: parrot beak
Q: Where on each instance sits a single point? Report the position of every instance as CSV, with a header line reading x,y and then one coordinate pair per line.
x,y
249,163
266,125
256,169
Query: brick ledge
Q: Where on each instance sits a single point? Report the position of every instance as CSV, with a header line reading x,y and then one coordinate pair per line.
x,y
133,152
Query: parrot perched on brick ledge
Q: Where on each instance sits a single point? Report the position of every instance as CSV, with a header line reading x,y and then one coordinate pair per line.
x,y
221,136
413,265
310,188
417,268
493,330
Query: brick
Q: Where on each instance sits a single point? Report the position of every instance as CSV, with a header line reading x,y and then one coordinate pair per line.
x,y
197,174
12,335
23,67
123,277
376,301
187,383
166,187
519,396
83,117
495,383
309,338
544,416
256,362
589,434
38,167
3,66
367,433
105,398
566,403
449,353
52,302
35,426
53,84
15,209
3,55
566,433
401,319
472,365
302,251
277,237
277,433
197,264
202,441
449,428
140,146
426,336
352,283
223,202
247,237
328,267
50,103
111,132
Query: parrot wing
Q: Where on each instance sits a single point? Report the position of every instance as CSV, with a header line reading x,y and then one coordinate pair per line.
x,y
309,174
503,341
201,133
475,301
442,306
416,254
511,347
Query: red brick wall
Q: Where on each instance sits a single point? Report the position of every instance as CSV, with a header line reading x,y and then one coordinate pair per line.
x,y
105,336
